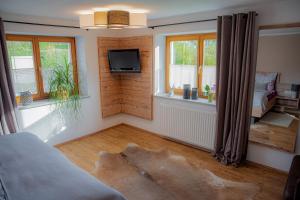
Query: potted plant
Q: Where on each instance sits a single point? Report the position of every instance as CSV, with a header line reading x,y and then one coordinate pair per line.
x,y
63,89
206,90
208,93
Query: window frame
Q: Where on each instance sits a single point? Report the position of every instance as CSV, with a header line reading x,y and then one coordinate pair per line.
x,y
35,40
200,38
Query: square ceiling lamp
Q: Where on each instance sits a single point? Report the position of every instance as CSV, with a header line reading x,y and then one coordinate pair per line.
x,y
137,20
86,21
100,19
118,19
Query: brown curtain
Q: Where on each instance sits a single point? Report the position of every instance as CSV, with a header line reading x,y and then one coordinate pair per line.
x,y
236,60
8,122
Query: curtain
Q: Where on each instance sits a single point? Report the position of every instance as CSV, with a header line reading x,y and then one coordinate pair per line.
x,y
236,61
8,122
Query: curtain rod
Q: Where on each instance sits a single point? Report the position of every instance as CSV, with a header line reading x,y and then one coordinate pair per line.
x,y
188,22
39,24
65,26
152,27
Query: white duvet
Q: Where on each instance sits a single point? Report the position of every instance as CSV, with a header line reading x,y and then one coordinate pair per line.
x,y
260,99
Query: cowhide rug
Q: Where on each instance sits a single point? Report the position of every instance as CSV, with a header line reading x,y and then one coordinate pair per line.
x,y
146,175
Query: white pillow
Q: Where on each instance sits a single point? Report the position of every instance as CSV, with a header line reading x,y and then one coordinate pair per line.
x,y
265,77
260,86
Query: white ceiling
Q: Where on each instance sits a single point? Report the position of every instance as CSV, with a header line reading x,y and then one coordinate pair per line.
x,y
70,9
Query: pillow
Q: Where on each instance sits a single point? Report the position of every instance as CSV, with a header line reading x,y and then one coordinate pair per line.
x,y
271,86
260,86
265,77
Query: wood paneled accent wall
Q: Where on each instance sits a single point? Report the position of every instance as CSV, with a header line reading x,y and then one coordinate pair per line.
x,y
130,93
110,84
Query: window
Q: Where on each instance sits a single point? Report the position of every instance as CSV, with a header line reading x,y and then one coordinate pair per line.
x,y
191,59
33,58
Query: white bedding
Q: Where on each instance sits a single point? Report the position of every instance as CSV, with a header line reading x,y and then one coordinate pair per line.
x,y
264,86
260,99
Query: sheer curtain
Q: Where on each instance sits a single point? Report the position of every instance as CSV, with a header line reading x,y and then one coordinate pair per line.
x,y
236,61
8,122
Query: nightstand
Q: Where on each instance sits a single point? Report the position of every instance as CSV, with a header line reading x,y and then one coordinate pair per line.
x,y
287,104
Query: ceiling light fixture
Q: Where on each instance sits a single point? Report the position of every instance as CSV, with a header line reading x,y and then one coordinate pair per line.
x,y
86,21
112,19
137,20
100,18
118,19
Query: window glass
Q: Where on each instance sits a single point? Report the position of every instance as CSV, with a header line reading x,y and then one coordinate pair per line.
x,y
209,64
34,58
22,64
53,54
183,63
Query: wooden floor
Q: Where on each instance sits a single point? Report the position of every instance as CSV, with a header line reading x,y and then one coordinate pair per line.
x,y
84,153
275,136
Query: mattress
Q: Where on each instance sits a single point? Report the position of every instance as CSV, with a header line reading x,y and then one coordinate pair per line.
x,y
33,170
263,101
260,99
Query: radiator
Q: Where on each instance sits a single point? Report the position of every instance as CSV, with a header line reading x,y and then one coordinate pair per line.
x,y
193,126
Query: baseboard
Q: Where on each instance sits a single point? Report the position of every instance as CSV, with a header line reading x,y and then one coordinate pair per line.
x,y
266,166
87,135
137,128
170,139
200,148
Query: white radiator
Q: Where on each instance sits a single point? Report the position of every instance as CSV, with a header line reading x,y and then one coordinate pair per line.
x,y
193,126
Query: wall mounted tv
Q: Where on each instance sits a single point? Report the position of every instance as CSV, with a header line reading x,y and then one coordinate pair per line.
x,y
124,60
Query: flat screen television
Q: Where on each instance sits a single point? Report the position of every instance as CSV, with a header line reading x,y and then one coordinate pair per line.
x,y
124,60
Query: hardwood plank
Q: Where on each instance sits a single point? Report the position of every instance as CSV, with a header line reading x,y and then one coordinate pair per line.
x,y
84,153
109,83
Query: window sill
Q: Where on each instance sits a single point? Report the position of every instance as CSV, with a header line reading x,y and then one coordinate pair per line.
x,y
179,98
40,103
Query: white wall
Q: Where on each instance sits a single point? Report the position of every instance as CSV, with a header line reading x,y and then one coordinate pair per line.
x,y
280,53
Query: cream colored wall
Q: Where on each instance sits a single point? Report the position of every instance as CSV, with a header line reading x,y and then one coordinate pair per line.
x,y
280,53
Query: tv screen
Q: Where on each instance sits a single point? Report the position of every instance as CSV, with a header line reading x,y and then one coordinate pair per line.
x,y
124,60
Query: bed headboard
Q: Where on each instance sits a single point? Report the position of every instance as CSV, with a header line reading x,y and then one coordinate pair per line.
x,y
267,76
277,74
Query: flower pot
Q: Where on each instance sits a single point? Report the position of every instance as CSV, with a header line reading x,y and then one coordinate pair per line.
x,y
25,98
210,97
63,94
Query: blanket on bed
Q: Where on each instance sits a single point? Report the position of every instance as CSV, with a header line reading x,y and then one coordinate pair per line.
x,y
33,170
261,99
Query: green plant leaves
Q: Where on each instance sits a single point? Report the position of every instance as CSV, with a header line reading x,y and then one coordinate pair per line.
x,y
64,90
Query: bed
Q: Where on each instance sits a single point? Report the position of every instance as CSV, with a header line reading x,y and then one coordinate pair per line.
x,y
263,101
264,97
33,170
